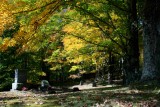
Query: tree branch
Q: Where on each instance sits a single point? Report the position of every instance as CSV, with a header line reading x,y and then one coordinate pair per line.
x,y
96,44
92,15
34,9
118,7
107,34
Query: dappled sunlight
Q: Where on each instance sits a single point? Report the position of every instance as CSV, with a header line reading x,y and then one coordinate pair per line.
x,y
113,96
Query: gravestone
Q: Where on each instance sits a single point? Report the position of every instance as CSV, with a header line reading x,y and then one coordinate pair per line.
x,y
22,76
20,79
44,85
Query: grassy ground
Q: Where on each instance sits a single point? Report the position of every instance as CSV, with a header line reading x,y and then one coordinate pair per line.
x,y
116,96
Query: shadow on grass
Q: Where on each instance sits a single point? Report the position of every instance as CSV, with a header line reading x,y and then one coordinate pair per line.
x,y
17,104
146,87
90,97
93,96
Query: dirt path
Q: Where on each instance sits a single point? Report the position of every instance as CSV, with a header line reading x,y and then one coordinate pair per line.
x,y
89,86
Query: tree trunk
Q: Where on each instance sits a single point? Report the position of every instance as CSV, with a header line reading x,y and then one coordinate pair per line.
x,y
111,68
132,55
151,39
45,69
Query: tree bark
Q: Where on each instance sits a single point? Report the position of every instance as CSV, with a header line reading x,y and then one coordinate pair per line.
x,y
111,67
132,54
151,40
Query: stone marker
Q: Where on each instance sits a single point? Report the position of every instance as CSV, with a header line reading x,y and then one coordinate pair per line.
x,y
19,80
44,85
94,84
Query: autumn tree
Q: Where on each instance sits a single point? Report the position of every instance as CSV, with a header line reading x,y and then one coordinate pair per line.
x,y
109,27
109,8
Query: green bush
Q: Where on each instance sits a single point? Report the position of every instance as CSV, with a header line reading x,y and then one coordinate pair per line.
x,y
6,84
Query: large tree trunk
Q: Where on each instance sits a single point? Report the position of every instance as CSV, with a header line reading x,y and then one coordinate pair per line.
x,y
132,54
151,38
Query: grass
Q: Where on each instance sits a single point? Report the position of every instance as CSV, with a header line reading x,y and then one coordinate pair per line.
x,y
113,96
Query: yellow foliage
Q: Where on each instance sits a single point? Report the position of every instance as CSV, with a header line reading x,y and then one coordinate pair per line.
x,y
72,27
6,17
78,35
12,42
71,48
7,42
28,34
72,43
114,16
80,30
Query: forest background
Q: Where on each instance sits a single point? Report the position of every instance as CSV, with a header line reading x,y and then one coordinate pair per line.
x,y
60,40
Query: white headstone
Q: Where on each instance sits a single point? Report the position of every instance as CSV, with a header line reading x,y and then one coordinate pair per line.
x,y
16,76
15,84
